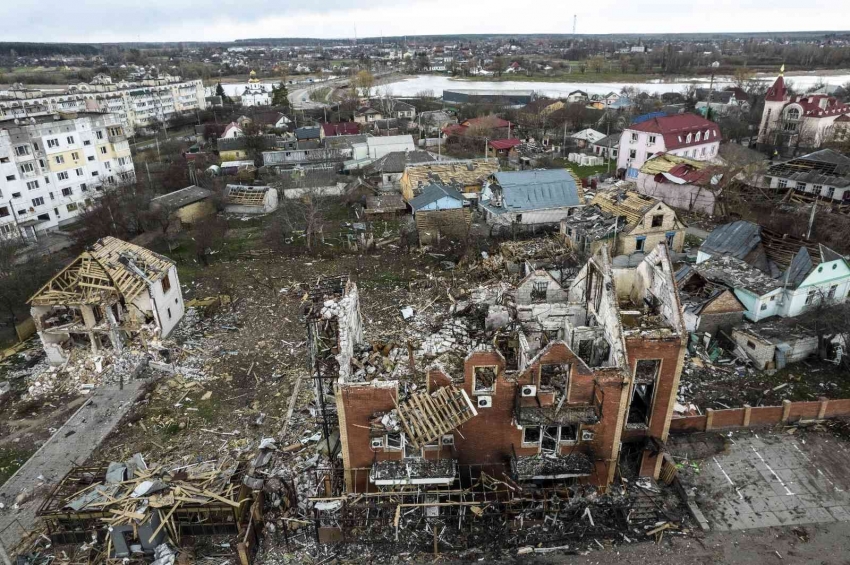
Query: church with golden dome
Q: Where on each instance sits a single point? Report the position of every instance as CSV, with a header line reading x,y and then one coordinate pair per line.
x,y
255,93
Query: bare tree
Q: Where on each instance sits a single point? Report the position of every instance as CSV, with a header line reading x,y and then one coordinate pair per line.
x,y
19,278
207,235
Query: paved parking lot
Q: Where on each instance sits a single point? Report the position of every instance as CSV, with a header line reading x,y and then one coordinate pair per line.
x,y
758,480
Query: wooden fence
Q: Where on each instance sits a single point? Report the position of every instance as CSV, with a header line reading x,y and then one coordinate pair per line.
x,y
748,416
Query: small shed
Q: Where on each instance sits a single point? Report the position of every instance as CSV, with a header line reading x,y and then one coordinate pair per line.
x,y
187,204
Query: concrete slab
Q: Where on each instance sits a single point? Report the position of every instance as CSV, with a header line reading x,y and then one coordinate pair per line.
x,y
759,480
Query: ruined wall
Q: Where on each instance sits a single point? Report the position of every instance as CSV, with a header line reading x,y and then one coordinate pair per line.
x,y
554,291
656,235
356,404
761,352
670,351
654,276
747,417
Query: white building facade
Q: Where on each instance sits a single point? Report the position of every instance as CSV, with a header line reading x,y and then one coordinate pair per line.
x,y
684,135
137,105
53,166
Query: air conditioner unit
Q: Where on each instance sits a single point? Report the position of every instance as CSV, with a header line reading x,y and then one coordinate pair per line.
x,y
529,390
485,401
587,435
377,443
447,440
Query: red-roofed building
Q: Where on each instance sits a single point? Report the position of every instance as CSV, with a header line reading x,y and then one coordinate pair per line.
x,y
801,121
492,126
684,135
342,128
503,146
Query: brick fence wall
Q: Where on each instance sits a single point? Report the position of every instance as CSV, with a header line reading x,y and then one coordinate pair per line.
x,y
761,415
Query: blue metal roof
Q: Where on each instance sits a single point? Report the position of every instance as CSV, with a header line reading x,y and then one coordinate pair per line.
x,y
649,116
432,193
736,239
537,190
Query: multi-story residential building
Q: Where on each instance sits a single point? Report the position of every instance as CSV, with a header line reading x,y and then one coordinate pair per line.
x,y
806,120
52,166
685,135
137,105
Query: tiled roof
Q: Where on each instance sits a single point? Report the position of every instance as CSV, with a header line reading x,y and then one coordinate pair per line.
x,y
629,204
675,130
342,128
462,173
776,93
504,143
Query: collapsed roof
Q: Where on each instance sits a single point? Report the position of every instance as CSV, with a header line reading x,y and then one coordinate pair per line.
x,y
109,269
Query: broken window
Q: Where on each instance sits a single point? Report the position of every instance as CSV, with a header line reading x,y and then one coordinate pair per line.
x,y
484,379
166,284
646,370
657,220
531,435
410,450
555,375
393,441
550,438
538,291
639,243
585,349
751,345
569,433
640,408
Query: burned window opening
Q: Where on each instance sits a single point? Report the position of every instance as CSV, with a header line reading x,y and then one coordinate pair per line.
x,y
640,407
531,435
484,379
569,433
646,370
554,376
508,346
538,291
393,441
549,442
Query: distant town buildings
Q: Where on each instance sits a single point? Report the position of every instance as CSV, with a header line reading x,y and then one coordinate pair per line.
x,y
136,104
53,166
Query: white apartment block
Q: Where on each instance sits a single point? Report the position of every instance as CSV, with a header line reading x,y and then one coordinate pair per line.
x,y
135,104
53,166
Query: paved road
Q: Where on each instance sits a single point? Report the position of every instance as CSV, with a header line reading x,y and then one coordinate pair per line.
x,y
71,445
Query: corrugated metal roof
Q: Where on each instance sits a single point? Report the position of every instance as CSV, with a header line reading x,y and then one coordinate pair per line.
x,y
432,193
736,239
800,268
537,190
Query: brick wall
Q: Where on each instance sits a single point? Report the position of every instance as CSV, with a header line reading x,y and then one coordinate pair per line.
x,y
761,416
445,223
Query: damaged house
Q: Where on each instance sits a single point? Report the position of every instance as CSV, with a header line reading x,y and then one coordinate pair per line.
x,y
628,221
773,274
108,295
537,197
679,182
466,176
538,384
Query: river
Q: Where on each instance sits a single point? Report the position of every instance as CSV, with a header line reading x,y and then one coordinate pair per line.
x,y
435,84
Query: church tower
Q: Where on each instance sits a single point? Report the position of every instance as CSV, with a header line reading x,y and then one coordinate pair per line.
x,y
774,100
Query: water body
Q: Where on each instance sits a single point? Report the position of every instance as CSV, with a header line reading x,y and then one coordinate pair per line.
x,y
436,84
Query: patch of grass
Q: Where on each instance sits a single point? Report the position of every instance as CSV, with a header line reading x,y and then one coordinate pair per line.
x,y
692,240
584,172
11,459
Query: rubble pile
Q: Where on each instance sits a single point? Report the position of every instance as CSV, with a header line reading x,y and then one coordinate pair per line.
x,y
83,372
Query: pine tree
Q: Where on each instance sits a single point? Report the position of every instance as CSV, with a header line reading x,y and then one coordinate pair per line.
x,y
280,96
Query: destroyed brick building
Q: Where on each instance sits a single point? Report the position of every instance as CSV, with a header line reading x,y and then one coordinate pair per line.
x,y
109,294
538,383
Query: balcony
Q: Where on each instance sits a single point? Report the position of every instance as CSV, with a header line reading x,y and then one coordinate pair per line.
x,y
531,411
550,466
414,471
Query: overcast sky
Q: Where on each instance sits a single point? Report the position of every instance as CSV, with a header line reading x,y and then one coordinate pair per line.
x,y
226,20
